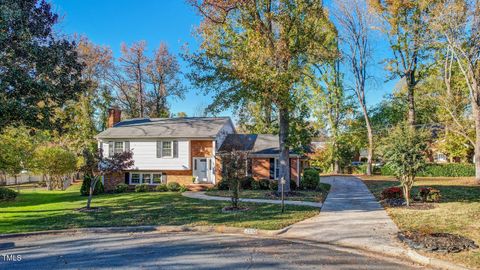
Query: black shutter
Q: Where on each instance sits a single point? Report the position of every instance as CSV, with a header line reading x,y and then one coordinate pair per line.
x,y
175,149
272,168
127,178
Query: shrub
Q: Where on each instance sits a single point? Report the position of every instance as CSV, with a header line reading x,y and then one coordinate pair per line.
x,y
161,188
183,188
273,185
174,186
440,170
322,187
7,194
121,188
392,193
85,188
222,185
310,179
141,188
293,185
428,194
246,183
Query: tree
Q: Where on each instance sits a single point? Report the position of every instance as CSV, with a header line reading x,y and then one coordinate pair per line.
x,y
404,152
17,148
39,71
354,32
97,166
163,74
56,162
457,24
234,167
134,63
405,25
259,51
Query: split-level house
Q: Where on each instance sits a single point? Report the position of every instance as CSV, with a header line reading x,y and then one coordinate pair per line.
x,y
185,150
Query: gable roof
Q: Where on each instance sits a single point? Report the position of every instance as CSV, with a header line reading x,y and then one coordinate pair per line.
x,y
186,127
256,144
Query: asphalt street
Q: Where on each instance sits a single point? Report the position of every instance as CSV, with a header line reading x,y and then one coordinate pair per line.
x,y
179,251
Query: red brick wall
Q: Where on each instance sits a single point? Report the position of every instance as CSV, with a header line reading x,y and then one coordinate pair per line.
x,y
260,168
294,171
201,148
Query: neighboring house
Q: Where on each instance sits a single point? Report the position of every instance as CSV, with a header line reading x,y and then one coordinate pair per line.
x,y
263,152
185,150
165,150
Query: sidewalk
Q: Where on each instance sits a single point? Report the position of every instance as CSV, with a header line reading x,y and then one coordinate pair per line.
x,y
350,216
202,196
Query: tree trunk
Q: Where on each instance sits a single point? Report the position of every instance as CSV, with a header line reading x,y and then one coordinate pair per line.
x,y
411,99
476,113
90,191
370,139
284,161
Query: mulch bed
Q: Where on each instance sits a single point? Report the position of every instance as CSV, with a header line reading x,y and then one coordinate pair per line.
x,y
413,205
91,210
437,242
230,209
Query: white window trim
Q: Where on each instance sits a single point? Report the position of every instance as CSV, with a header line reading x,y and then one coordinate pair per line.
x,y
171,148
141,178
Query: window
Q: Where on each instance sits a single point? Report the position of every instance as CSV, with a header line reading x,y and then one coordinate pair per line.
x,y
135,178
146,178
158,178
277,168
167,149
118,148
440,157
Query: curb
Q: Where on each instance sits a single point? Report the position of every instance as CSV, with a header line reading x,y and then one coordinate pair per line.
x,y
160,229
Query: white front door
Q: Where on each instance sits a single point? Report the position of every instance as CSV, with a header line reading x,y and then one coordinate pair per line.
x,y
201,170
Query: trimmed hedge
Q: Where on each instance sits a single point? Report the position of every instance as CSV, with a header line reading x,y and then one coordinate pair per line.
x,y
310,179
440,170
7,194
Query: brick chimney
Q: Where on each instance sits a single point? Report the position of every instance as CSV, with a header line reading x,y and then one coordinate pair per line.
x,y
114,116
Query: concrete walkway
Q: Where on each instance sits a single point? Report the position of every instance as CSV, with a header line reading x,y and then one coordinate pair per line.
x,y
350,216
203,196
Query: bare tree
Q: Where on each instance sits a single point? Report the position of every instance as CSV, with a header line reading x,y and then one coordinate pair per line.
x,y
354,32
458,25
134,63
163,74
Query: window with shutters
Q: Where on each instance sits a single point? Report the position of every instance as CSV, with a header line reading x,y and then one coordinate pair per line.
x,y
167,149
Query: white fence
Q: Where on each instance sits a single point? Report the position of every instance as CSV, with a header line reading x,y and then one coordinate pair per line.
x,y
21,179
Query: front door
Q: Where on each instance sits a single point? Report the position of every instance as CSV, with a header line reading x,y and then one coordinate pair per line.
x,y
201,170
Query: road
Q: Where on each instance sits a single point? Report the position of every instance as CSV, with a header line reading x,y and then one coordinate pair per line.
x,y
178,251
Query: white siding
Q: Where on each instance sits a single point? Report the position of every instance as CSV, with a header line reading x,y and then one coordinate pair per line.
x,y
145,155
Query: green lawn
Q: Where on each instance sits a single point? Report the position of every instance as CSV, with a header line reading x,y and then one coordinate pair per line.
x,y
458,212
47,210
301,195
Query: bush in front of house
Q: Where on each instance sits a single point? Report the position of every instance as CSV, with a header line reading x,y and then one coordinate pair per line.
x,y
440,170
222,185
121,188
261,184
273,185
428,194
174,187
85,188
141,188
7,194
392,193
161,188
310,179
246,182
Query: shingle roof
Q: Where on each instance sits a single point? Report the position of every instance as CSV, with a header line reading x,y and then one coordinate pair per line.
x,y
256,144
187,127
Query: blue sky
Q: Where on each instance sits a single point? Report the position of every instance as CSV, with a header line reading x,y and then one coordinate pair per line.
x,y
111,22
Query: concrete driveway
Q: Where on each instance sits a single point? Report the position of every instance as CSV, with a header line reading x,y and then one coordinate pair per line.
x,y
178,251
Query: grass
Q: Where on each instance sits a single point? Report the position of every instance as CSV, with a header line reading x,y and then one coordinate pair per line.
x,y
36,210
458,212
301,195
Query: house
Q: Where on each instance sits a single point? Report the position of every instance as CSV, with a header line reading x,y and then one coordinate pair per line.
x,y
185,150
